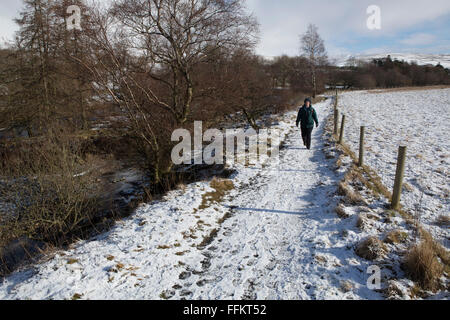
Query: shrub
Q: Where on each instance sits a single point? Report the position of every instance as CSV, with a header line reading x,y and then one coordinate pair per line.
x,y
49,195
361,222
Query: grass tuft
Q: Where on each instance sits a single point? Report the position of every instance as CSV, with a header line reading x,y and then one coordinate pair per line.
x,y
421,265
371,249
443,221
340,211
396,236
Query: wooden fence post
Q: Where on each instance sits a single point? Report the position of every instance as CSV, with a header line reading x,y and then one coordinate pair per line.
x,y
398,185
336,100
361,147
336,121
341,136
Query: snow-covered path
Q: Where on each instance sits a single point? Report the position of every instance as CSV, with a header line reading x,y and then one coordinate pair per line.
x,y
280,239
284,240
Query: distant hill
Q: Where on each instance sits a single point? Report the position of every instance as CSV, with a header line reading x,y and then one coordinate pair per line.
x,y
421,59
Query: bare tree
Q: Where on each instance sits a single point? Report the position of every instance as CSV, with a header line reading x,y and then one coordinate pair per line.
x,y
77,86
44,84
35,45
280,68
177,35
143,57
313,48
243,85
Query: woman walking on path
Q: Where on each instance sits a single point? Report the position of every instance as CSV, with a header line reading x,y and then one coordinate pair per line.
x,y
307,116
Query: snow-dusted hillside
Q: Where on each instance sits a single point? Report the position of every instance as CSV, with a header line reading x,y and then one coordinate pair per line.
x,y
421,59
421,121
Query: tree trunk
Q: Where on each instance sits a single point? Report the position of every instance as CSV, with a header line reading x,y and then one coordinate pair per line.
x,y
250,119
314,82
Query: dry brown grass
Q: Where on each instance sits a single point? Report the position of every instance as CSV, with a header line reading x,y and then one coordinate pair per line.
x,y
365,174
222,187
208,239
340,211
225,217
421,265
340,161
361,223
408,187
371,249
443,221
374,183
396,236
392,291
438,249
346,286
363,220
350,196
181,186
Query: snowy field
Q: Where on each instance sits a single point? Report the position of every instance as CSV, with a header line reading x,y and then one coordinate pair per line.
x,y
420,120
275,236
420,59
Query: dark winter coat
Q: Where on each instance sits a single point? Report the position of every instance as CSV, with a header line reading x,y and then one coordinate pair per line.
x,y
307,117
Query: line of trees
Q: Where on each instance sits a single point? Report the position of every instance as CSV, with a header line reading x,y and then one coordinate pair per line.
x,y
143,68
154,64
388,73
149,66
73,102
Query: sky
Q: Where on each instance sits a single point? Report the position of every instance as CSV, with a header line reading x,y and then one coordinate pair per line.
x,y
407,26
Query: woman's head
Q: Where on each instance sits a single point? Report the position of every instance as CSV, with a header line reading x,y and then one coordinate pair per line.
x,y
308,102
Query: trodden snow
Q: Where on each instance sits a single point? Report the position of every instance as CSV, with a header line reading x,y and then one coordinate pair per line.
x,y
281,239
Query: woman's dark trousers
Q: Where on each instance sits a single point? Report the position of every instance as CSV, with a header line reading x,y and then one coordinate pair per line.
x,y
306,136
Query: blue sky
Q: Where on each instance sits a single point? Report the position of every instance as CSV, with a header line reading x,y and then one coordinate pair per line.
x,y
410,26
406,25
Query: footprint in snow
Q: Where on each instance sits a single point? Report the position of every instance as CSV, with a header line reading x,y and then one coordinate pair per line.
x,y
184,275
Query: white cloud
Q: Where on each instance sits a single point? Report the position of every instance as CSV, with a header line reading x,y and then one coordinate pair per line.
x,y
401,14
419,39
8,11
339,21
